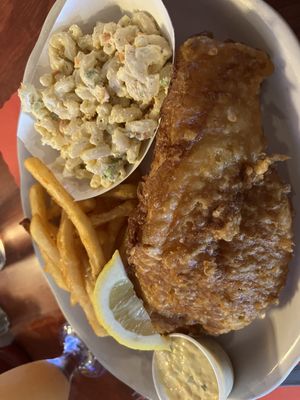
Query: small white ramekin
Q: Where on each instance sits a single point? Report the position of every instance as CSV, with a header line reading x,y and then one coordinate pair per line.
x,y
217,358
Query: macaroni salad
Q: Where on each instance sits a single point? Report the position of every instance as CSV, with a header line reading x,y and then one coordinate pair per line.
x,y
102,99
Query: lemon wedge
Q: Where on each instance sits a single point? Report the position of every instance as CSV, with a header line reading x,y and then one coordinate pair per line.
x,y
121,312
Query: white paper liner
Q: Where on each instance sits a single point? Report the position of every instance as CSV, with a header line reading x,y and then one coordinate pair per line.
x,y
84,13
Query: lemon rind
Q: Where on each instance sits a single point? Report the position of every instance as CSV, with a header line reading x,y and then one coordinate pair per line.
x,y
105,315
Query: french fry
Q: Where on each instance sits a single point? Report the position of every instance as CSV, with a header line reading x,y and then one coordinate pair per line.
x,y
125,191
104,204
80,220
87,205
72,266
37,200
42,237
54,271
91,317
47,246
89,280
102,236
122,210
114,227
90,286
68,255
54,210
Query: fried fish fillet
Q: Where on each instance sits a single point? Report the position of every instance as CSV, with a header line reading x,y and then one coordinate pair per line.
x,y
210,241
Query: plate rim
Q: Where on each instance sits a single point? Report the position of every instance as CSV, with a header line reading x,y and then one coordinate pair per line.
x,y
294,42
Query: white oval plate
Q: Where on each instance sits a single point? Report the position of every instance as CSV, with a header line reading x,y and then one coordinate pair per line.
x,y
264,353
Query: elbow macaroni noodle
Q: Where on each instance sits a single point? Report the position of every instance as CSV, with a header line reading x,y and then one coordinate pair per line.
x,y
103,96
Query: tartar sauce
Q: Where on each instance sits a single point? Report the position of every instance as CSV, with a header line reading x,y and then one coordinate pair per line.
x,y
186,373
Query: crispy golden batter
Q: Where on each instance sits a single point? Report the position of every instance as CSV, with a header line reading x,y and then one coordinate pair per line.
x,y
211,238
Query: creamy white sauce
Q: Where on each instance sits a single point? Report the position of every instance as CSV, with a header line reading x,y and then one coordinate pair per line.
x,y
186,373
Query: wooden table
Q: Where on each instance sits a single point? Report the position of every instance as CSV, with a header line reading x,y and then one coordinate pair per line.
x,y
24,293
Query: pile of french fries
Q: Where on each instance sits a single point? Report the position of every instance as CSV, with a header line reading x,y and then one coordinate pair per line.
x,y
76,239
